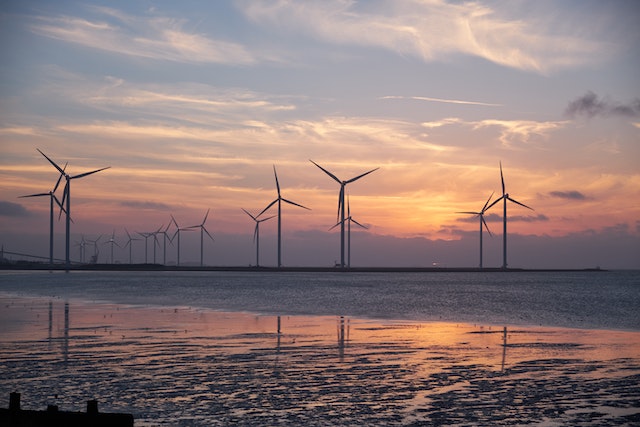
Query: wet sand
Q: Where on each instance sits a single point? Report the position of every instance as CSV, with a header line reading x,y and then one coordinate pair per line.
x,y
191,367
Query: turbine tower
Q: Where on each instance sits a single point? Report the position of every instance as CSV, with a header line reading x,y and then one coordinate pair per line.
x,y
52,199
112,241
67,195
129,243
341,208
279,200
349,220
256,233
177,233
482,221
203,230
505,196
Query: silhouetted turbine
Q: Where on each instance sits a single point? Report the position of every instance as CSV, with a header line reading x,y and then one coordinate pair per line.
x,y
129,243
279,200
341,207
482,221
505,196
256,233
203,230
67,194
349,220
52,199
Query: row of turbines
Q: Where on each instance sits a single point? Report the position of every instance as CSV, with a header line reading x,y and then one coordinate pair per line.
x,y
344,218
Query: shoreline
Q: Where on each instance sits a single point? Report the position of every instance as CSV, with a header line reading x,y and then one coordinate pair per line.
x,y
261,269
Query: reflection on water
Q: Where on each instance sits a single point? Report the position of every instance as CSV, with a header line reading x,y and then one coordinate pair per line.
x,y
198,367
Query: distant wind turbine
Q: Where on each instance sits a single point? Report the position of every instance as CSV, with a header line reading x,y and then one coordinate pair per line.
x,y
482,221
67,195
203,230
349,220
505,196
177,233
279,200
112,241
94,258
130,244
165,237
52,199
341,207
256,233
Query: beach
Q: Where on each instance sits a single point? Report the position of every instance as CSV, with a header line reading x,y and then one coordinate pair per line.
x,y
193,366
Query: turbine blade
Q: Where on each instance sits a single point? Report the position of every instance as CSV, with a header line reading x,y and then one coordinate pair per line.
x,y
296,204
35,195
174,221
277,183
484,208
469,213
327,172
502,179
252,217
494,202
356,222
60,178
255,232
340,196
360,176
337,224
485,225
208,234
52,162
521,204
206,216
88,173
267,208
266,219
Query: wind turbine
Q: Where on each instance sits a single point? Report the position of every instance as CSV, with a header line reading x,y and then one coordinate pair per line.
x,y
146,235
52,199
482,221
112,241
256,233
341,208
94,258
203,230
349,220
279,200
165,236
129,243
67,195
177,233
505,196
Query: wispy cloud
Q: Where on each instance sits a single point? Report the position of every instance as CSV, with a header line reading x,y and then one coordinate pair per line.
x,y
152,37
434,30
146,205
591,105
446,101
519,130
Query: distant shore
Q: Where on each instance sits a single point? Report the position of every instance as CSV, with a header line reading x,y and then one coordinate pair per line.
x,y
160,267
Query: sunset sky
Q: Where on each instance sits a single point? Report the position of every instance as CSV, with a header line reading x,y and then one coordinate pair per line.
x,y
191,103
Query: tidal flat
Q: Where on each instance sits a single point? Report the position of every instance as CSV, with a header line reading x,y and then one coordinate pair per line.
x,y
189,366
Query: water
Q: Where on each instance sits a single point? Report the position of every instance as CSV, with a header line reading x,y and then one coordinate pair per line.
x,y
205,349
602,300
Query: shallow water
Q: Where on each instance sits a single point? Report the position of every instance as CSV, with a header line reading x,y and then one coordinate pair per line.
x,y
602,300
200,349
186,366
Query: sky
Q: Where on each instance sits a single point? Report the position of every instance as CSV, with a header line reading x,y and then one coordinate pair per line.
x,y
193,103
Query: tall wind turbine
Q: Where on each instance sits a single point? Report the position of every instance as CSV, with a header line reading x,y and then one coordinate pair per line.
x,y
349,220
279,200
341,208
256,233
112,241
203,230
177,233
129,243
505,196
52,199
67,195
482,221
